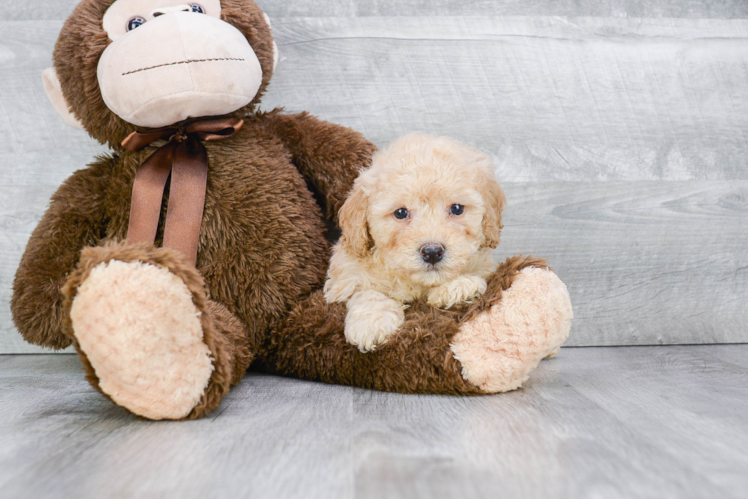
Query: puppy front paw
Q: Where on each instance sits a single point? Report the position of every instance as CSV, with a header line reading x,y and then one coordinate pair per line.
x,y
372,318
461,290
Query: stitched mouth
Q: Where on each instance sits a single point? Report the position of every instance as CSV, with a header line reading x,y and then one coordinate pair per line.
x,y
189,61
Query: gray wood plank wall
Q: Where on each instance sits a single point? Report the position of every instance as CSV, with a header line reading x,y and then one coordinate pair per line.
x,y
619,130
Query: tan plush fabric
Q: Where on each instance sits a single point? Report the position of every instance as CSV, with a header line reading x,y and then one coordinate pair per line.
x,y
139,328
54,94
499,348
120,12
178,66
83,40
276,53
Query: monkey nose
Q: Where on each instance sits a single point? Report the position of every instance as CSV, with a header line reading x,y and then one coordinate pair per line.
x,y
169,10
432,252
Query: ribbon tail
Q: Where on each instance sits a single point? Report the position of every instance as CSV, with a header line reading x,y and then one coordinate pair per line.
x,y
147,195
184,216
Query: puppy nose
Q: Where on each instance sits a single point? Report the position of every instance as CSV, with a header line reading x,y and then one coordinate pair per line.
x,y
432,252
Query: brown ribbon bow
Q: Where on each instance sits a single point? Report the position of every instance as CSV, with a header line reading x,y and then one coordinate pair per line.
x,y
185,159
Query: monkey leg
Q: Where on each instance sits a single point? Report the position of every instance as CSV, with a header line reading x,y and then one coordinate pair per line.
x,y
489,346
524,317
148,337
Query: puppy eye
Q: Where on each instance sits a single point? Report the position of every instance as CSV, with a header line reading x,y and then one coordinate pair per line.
x,y
456,209
196,7
401,213
135,22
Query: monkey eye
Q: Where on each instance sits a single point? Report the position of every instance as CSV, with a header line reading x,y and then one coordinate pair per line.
x,y
456,209
401,213
196,7
135,22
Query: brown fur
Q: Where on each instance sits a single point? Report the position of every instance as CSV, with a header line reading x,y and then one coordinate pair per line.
x,y
262,244
262,249
309,343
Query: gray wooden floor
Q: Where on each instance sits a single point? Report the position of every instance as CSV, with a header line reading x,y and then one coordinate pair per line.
x,y
665,421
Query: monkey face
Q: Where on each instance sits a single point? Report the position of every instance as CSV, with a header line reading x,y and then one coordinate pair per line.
x,y
168,63
125,64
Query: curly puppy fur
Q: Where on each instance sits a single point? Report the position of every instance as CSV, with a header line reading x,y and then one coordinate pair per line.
x,y
379,264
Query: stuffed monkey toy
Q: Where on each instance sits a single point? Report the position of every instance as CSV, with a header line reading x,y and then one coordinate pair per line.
x,y
198,246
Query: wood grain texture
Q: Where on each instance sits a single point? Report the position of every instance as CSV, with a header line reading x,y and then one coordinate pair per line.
x,y
550,98
724,9
595,423
645,262
252,446
622,142
664,421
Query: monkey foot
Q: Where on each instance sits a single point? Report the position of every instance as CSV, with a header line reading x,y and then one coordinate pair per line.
x,y
140,332
501,346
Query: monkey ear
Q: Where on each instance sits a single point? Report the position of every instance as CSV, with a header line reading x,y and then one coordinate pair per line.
x,y
356,238
494,200
276,54
54,93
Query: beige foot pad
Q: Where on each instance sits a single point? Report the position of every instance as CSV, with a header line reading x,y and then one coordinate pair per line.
x,y
141,332
499,348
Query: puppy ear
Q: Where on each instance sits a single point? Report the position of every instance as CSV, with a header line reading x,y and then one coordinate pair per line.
x,y
356,239
494,200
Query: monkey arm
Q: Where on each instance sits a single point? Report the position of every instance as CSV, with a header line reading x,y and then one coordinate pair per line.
x,y
488,346
329,156
74,219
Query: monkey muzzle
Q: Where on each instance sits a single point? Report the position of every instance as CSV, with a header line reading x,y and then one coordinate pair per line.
x,y
178,66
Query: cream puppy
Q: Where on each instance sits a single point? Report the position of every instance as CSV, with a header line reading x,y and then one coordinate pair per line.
x,y
419,224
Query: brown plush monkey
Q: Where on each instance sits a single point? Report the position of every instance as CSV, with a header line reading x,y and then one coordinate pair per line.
x,y
197,247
